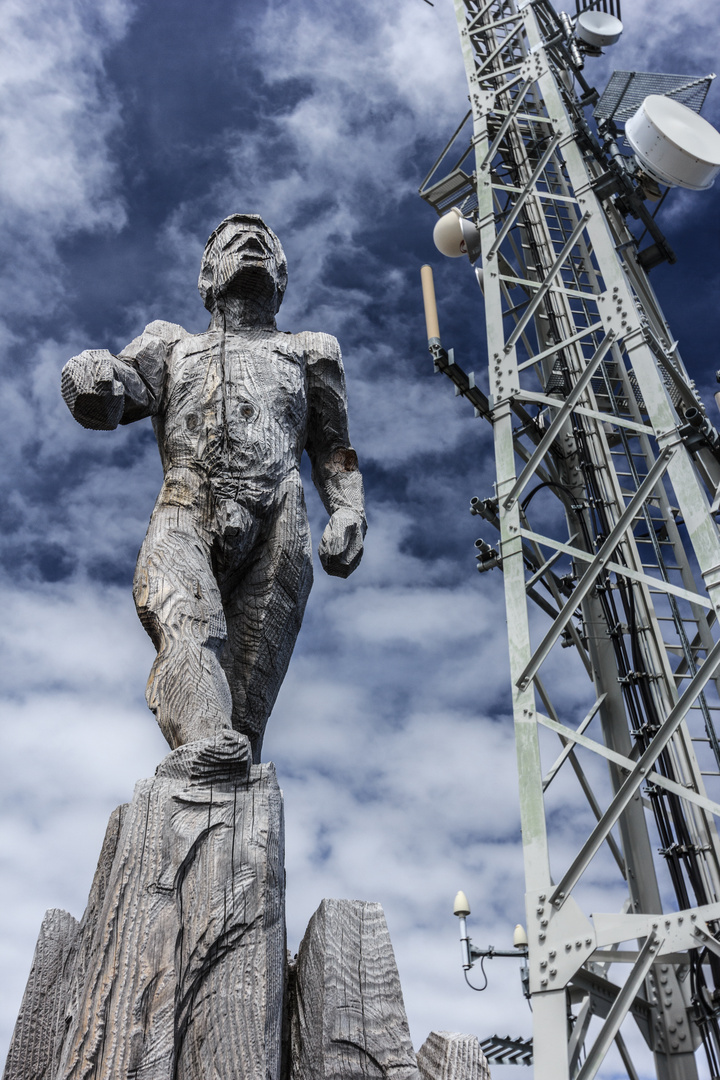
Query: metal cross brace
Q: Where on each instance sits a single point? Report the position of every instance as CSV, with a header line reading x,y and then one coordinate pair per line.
x,y
597,567
618,568
584,332
576,736
619,1009
492,150
637,777
563,412
550,276
520,201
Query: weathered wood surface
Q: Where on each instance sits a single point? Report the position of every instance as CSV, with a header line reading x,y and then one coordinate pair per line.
x,y
347,1015
225,569
34,1047
176,971
448,1055
61,959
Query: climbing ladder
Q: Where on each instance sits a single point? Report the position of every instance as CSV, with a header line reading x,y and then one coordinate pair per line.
x,y
606,469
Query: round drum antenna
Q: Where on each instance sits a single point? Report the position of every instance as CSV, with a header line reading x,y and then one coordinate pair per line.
x,y
673,144
598,29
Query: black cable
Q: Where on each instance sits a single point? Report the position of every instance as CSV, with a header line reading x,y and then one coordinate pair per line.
x,y
547,483
482,968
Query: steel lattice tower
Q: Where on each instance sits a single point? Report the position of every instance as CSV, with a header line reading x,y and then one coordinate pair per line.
x,y
606,469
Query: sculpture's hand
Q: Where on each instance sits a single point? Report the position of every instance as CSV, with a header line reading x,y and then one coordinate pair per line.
x,y
341,546
93,393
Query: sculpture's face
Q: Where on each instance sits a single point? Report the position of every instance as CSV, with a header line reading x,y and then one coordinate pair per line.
x,y
243,257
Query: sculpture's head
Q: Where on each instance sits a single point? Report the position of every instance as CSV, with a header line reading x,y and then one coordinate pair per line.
x,y
244,258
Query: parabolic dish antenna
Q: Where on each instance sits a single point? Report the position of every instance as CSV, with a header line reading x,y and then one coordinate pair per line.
x,y
675,145
598,28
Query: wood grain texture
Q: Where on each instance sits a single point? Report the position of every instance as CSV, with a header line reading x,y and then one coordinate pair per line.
x,y
348,1018
185,968
226,569
57,975
448,1055
34,1048
177,969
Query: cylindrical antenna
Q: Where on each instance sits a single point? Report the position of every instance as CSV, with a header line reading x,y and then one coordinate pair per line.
x,y
431,315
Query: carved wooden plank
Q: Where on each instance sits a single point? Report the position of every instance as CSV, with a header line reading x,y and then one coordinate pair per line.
x,y
448,1055
348,1017
183,966
33,1049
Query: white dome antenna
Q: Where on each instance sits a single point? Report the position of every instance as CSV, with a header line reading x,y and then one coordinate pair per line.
x,y
454,236
596,30
675,145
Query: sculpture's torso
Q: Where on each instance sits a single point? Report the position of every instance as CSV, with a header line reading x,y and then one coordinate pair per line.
x,y
233,418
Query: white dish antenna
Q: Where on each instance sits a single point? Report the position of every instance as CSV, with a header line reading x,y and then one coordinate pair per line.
x,y
598,28
673,144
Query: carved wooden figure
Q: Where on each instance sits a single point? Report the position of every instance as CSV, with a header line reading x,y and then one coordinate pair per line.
x,y
225,569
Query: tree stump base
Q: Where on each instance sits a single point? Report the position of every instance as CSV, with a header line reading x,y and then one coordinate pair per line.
x,y
178,970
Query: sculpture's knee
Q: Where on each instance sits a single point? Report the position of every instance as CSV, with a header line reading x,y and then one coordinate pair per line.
x,y
141,596
179,608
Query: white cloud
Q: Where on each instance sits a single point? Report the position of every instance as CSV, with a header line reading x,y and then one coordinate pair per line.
x,y
57,113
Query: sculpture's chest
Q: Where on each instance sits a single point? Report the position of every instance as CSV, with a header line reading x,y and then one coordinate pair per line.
x,y
241,386
268,370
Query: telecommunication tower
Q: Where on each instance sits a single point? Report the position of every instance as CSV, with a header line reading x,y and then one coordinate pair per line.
x,y
607,473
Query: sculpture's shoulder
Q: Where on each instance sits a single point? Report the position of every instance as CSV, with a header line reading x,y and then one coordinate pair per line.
x,y
169,333
318,346
155,342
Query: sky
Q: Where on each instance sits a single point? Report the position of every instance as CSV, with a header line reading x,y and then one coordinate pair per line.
x,y
128,131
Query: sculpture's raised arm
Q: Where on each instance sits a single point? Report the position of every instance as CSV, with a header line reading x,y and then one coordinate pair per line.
x,y
103,390
335,469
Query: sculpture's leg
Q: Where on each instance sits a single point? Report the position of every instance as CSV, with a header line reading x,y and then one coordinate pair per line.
x,y
178,601
264,613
